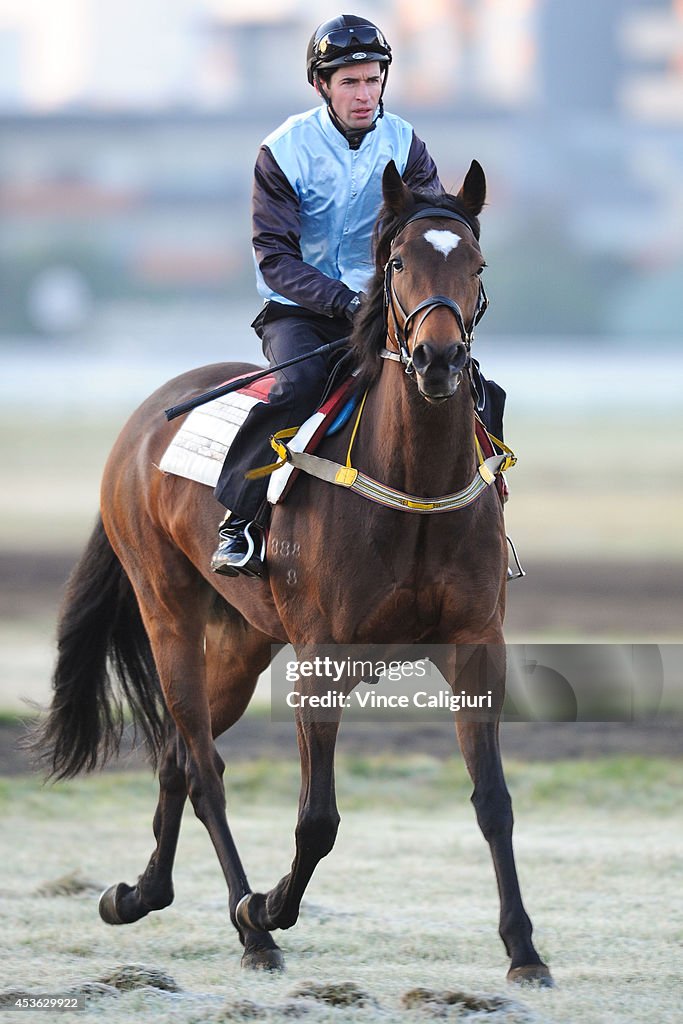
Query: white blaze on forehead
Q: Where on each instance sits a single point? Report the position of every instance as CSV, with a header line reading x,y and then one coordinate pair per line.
x,y
443,241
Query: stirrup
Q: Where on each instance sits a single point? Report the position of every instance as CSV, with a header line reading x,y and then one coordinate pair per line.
x,y
515,570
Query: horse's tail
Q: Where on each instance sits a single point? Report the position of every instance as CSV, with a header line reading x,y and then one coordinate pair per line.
x,y
105,662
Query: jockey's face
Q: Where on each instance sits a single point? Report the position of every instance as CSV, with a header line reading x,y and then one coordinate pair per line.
x,y
354,93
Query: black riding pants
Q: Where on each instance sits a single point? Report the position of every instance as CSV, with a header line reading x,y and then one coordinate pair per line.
x,y
285,332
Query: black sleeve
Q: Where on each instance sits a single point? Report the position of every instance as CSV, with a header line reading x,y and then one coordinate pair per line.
x,y
276,239
421,173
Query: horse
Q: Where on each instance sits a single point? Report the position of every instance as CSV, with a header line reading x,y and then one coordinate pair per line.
x,y
145,622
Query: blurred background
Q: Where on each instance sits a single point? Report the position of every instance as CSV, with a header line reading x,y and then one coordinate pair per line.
x,y
128,132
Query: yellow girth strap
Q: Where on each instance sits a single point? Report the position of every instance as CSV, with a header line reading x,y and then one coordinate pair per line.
x,y
510,459
280,448
346,474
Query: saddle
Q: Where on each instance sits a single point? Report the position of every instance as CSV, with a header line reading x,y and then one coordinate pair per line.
x,y
199,448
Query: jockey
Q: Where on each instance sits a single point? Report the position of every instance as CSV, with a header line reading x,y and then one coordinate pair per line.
x,y
316,195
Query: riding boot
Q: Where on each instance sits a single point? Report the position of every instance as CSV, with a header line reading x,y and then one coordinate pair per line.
x,y
240,550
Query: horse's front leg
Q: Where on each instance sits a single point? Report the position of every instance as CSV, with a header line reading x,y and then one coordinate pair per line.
x,y
316,829
480,673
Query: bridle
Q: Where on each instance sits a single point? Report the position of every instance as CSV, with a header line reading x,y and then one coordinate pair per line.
x,y
427,306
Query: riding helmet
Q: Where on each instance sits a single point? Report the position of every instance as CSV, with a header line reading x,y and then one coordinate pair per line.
x,y
345,40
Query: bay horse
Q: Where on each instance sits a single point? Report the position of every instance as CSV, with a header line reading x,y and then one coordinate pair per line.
x,y
145,621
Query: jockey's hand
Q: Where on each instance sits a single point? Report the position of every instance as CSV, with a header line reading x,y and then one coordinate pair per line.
x,y
354,306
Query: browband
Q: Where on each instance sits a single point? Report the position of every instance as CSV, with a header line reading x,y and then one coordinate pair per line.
x,y
439,211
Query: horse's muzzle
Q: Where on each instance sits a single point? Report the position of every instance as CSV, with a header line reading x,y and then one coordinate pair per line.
x,y
439,369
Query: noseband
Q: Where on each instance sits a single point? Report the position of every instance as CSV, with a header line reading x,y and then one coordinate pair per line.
x,y
427,306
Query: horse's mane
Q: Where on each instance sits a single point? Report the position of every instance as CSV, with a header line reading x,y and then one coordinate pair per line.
x,y
369,328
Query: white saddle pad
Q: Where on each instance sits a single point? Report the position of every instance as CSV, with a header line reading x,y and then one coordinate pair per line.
x,y
198,450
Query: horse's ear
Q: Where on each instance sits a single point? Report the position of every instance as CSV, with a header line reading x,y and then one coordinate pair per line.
x,y
473,192
397,195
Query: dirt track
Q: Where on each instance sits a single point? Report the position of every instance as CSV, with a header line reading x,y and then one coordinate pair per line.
x,y
639,602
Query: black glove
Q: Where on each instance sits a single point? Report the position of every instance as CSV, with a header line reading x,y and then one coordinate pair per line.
x,y
353,306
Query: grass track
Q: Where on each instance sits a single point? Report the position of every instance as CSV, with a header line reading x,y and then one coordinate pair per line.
x,y
406,899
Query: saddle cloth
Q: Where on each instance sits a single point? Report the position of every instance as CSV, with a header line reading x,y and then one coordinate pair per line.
x,y
199,447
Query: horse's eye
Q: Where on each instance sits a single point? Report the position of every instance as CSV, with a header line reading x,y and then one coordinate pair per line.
x,y
397,263
481,269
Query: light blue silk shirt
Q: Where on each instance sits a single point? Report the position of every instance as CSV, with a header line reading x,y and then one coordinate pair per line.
x,y
339,191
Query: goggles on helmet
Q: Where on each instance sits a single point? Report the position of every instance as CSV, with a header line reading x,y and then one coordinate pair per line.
x,y
341,41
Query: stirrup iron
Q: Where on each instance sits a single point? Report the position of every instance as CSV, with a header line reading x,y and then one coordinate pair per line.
x,y
515,570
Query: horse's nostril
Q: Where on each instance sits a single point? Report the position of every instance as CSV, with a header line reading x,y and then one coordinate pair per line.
x,y
423,356
458,357
451,354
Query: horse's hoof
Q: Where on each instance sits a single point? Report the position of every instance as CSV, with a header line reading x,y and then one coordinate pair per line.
x,y
533,974
107,905
263,960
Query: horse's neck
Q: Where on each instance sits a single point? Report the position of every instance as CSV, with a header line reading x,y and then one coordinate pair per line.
x,y
414,446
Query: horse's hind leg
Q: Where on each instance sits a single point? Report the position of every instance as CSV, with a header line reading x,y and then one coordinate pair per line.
x,y
124,904
236,654
235,657
484,671
176,623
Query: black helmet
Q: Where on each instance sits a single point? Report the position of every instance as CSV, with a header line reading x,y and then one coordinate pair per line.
x,y
345,40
